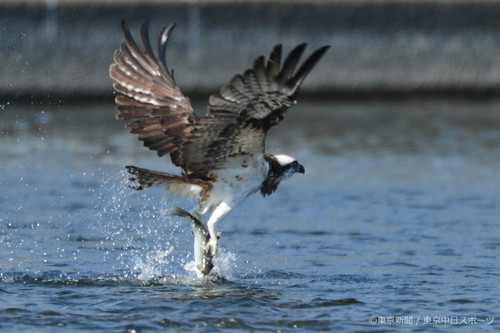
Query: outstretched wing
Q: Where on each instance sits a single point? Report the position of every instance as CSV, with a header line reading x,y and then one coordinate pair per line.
x,y
237,119
240,115
267,89
156,109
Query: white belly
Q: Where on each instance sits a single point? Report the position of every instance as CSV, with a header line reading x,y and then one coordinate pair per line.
x,y
235,184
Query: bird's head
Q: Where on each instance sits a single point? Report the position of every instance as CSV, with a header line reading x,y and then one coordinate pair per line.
x,y
289,165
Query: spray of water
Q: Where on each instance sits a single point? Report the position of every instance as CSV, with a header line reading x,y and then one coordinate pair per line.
x,y
143,242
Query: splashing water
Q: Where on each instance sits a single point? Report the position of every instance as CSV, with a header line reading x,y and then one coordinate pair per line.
x,y
142,240
152,265
223,266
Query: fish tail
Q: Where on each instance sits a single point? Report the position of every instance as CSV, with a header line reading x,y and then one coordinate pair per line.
x,y
195,223
178,211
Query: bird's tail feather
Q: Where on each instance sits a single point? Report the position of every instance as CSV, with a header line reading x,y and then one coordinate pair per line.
x,y
183,186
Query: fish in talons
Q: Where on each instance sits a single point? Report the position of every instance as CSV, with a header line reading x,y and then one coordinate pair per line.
x,y
203,254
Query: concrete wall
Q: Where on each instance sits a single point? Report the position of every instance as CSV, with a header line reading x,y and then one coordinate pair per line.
x,y
62,49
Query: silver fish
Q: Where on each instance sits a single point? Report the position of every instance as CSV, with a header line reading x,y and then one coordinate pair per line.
x,y
203,257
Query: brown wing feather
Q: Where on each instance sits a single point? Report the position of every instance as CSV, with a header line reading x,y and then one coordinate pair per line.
x,y
237,119
266,88
156,109
246,108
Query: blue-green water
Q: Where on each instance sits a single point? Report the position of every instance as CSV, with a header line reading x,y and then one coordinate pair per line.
x,y
393,227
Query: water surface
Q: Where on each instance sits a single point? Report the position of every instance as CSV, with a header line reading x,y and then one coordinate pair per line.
x,y
394,226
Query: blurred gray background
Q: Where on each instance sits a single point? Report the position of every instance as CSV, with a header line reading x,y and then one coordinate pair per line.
x,y
62,49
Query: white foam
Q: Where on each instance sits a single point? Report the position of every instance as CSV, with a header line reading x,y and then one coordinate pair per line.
x,y
152,265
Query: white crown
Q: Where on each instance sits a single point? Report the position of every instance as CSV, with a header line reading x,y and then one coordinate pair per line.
x,y
284,159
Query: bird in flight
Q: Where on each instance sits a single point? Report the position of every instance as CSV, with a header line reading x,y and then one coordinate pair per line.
x,y
221,154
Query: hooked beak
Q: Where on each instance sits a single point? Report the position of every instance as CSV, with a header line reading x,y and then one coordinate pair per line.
x,y
300,169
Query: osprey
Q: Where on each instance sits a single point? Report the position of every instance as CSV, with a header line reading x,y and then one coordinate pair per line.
x,y
221,155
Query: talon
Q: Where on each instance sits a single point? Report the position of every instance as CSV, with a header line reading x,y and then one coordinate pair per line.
x,y
211,247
